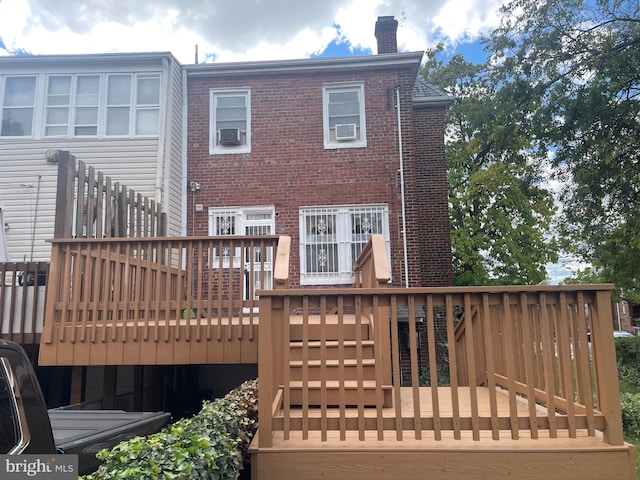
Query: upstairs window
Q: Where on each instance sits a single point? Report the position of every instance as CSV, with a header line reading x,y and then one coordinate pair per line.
x,y
332,238
72,104
17,106
133,104
230,121
344,119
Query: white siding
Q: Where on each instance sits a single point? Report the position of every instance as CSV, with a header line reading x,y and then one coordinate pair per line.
x,y
131,162
150,166
172,200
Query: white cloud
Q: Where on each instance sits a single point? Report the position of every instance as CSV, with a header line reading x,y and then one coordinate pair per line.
x,y
232,31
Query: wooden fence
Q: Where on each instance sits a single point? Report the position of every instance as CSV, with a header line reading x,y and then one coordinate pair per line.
x,y
139,293
90,205
22,300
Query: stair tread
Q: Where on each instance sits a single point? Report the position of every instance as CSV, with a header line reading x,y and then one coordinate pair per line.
x,y
333,384
329,319
334,362
330,343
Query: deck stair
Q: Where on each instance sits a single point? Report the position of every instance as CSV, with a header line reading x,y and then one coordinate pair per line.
x,y
332,350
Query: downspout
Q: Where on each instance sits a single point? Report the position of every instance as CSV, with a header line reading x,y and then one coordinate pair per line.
x,y
404,216
183,225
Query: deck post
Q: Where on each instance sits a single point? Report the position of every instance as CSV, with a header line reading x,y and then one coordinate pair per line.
x,y
266,390
64,196
605,362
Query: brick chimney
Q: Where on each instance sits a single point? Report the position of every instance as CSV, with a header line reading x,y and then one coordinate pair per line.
x,y
386,28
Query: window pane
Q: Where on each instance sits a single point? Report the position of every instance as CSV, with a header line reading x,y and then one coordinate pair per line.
x,y
147,122
344,109
118,121
320,236
322,258
225,225
87,92
57,131
87,116
19,91
231,114
16,122
148,90
343,120
59,85
58,91
343,97
228,101
57,116
86,131
119,90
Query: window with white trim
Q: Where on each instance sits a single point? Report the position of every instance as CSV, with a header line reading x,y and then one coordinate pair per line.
x,y
72,103
332,238
344,118
95,104
18,103
133,104
249,221
230,121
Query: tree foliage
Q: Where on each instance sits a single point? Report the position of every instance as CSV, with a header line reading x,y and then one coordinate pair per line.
x,y
500,212
580,61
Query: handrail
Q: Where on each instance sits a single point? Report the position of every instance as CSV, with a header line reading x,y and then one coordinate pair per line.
x,y
126,287
372,267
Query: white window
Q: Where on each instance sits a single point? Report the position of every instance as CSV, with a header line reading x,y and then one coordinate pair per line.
x,y
344,119
332,238
248,221
230,121
133,104
147,104
72,103
18,100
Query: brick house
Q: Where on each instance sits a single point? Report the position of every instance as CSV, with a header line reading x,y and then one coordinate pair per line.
x,y
328,151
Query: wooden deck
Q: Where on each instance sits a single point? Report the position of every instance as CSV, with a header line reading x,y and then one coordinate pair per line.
x,y
362,382
369,455
163,342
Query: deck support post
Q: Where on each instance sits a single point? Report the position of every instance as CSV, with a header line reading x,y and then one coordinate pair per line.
x,y
266,368
605,363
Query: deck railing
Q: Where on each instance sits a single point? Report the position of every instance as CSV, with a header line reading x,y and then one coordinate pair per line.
x,y
169,289
547,350
22,300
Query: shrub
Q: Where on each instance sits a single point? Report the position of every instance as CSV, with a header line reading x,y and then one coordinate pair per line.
x,y
210,445
628,359
630,404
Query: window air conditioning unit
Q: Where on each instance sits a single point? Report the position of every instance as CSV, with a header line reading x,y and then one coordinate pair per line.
x,y
346,131
229,136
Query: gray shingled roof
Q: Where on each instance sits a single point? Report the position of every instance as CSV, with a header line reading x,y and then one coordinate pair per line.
x,y
425,93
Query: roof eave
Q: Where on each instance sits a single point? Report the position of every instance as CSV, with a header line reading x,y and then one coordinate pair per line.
x,y
445,102
308,65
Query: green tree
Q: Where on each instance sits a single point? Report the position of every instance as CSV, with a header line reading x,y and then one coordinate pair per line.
x,y
500,212
581,62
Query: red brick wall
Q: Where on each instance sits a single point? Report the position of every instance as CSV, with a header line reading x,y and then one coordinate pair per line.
x,y
431,234
288,166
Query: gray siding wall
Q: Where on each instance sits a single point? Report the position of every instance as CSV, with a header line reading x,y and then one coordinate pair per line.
x,y
29,215
173,171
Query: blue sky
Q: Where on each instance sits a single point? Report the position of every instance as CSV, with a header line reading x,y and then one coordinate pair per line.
x,y
243,30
